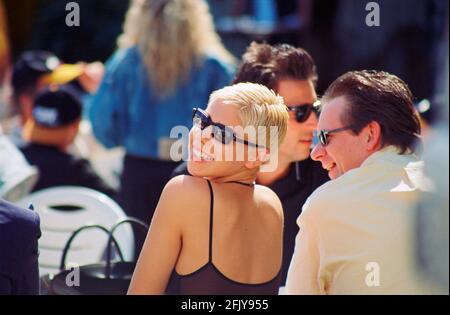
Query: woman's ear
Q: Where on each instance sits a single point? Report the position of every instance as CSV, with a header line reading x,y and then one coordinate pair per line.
x,y
262,156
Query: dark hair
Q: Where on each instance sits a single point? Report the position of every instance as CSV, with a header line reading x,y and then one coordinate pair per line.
x,y
381,97
267,65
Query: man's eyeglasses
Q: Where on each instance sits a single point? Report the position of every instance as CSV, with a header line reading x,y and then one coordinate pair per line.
x,y
220,132
323,134
302,112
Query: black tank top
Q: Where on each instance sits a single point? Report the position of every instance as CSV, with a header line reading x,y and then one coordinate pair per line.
x,y
208,280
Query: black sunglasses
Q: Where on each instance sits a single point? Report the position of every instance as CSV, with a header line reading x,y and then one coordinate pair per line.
x,y
302,112
220,132
323,134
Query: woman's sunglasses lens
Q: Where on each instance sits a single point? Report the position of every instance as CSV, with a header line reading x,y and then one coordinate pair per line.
x,y
217,134
224,136
228,135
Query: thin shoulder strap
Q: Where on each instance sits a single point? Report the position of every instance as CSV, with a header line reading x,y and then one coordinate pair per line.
x,y
211,217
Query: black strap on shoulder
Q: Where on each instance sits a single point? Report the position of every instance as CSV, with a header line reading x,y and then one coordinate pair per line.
x,y
211,217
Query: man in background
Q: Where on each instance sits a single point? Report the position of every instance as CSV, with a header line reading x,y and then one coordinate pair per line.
x,y
49,132
35,70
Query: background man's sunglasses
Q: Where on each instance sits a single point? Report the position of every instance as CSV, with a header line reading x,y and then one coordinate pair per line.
x,y
302,112
220,132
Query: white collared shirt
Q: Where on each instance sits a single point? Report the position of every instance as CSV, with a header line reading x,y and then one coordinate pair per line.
x,y
357,234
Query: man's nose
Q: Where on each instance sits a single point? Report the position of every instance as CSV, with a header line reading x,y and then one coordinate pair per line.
x,y
317,152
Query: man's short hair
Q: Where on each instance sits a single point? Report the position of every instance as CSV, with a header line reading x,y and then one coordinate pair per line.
x,y
268,65
381,97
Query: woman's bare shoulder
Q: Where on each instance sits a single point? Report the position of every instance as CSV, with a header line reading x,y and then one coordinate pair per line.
x,y
186,182
269,200
183,192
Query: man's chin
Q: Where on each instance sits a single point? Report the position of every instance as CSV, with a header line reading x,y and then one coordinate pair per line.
x,y
333,173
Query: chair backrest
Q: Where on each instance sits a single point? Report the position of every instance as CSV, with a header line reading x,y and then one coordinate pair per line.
x,y
64,209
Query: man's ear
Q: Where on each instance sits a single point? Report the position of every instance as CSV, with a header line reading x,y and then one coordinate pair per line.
x,y
73,131
373,136
262,156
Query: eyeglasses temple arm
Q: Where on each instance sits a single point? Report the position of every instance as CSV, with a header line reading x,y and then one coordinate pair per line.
x,y
248,143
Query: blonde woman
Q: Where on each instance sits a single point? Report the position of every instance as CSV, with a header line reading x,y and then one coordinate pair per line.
x,y
216,232
169,60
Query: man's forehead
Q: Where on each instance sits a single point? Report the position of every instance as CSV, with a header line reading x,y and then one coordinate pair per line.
x,y
296,92
331,112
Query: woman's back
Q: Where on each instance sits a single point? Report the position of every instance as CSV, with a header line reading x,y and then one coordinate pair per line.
x,y
232,245
215,232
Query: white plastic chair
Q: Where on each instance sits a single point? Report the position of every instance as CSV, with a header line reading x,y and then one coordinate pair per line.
x,y
63,210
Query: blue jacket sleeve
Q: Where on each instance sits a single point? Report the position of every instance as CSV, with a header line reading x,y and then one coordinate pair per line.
x,y
27,282
19,234
220,74
5,285
108,108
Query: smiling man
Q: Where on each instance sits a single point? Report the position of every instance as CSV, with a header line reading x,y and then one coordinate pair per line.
x,y
356,231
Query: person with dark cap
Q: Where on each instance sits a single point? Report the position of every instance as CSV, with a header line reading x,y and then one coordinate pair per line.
x,y
19,234
37,69
52,128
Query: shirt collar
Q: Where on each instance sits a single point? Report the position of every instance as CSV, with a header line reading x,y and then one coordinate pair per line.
x,y
389,153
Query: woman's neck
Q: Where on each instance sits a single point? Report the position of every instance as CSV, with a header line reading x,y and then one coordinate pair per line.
x,y
268,178
246,176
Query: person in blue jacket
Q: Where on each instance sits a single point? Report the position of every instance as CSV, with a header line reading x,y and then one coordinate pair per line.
x,y
19,234
169,60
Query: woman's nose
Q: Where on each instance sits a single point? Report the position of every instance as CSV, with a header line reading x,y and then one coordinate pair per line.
x,y
199,136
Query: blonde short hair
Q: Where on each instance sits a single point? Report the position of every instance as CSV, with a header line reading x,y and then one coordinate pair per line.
x,y
259,107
